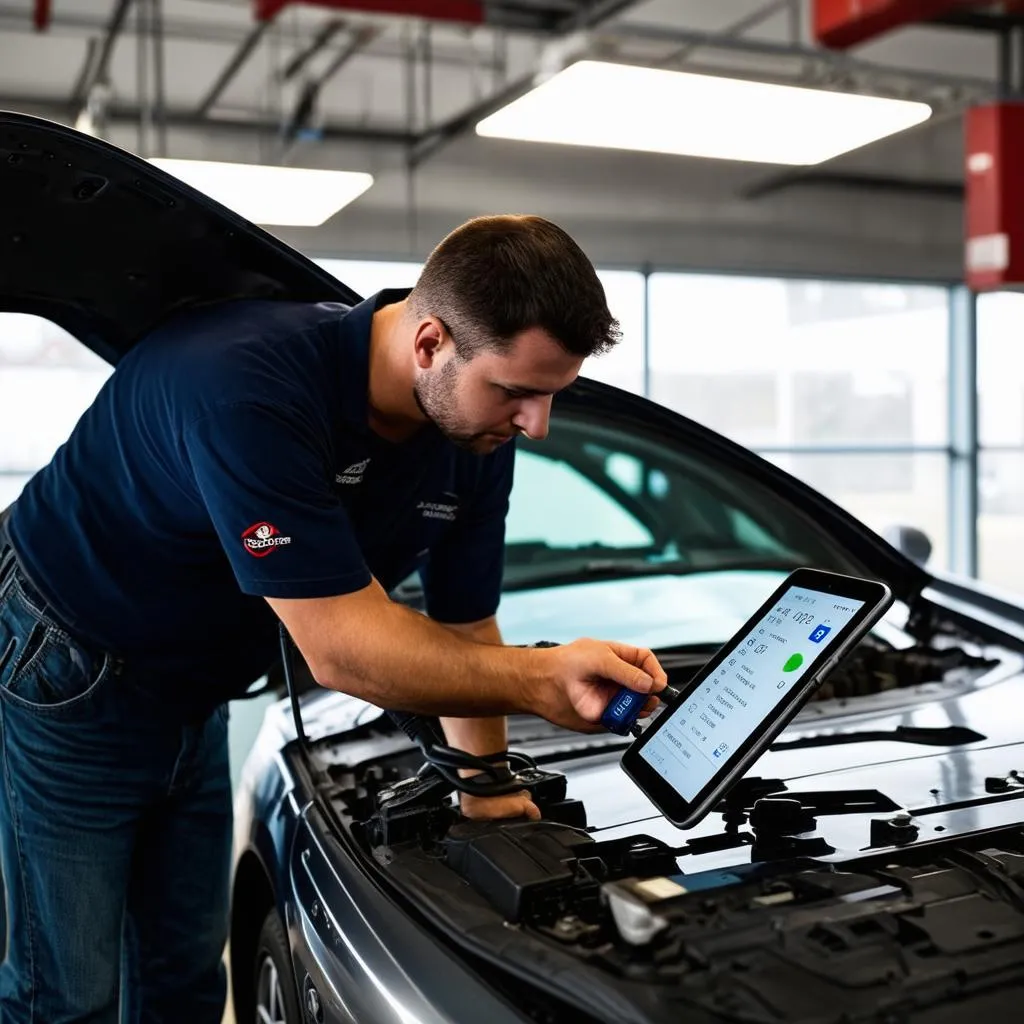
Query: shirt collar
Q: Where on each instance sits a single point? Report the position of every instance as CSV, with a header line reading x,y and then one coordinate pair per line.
x,y
355,355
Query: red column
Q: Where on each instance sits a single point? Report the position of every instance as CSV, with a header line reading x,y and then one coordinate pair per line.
x,y
993,198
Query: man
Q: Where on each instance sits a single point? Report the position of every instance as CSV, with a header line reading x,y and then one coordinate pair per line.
x,y
247,463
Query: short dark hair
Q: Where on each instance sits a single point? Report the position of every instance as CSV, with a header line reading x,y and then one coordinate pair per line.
x,y
495,277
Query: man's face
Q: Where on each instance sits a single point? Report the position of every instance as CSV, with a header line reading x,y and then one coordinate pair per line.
x,y
481,403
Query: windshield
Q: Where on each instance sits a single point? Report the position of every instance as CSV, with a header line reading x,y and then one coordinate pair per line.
x,y
592,501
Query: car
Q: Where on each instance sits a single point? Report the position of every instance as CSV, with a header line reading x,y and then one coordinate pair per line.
x,y
870,867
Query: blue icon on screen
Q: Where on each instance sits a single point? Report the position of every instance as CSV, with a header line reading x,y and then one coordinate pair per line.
x,y
819,634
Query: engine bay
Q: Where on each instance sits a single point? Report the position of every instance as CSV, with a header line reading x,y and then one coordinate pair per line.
x,y
902,933
874,667
588,929
765,916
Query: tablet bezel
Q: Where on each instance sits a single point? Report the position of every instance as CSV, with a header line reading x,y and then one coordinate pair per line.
x,y
877,598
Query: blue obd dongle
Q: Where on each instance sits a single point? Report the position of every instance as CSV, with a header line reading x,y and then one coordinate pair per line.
x,y
624,708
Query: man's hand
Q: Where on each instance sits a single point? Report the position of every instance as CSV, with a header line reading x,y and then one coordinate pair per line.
x,y
515,805
586,674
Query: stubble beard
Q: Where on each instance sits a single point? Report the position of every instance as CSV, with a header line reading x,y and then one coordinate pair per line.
x,y
435,397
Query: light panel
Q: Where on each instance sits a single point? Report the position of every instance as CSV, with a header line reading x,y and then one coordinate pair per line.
x,y
294,196
619,106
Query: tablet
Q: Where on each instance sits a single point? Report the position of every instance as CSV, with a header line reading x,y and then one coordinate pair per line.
x,y
722,720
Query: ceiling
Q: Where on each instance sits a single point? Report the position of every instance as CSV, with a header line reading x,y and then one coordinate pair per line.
x,y
399,97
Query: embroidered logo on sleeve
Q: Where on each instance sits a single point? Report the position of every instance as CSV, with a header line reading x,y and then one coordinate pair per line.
x,y
261,538
353,474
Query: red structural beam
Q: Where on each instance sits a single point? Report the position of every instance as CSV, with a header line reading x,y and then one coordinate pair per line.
x,y
41,15
471,11
843,23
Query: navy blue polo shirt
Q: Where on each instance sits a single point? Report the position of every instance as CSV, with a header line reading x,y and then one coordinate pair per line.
x,y
227,459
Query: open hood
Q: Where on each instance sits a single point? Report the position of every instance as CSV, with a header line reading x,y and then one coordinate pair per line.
x,y
106,245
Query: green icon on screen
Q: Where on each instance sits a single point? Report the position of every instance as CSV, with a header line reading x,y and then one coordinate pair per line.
x,y
793,663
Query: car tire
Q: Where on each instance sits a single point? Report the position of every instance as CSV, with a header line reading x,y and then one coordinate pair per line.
x,y
276,999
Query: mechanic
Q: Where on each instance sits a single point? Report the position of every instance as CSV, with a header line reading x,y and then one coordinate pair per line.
x,y
249,462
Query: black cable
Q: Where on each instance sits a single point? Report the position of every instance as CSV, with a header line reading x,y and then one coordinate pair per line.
x,y
495,778
289,680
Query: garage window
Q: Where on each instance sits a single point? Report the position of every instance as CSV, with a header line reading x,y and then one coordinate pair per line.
x,y
843,384
1001,434
47,380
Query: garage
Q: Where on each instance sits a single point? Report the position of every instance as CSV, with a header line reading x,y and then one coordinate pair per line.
x,y
511,511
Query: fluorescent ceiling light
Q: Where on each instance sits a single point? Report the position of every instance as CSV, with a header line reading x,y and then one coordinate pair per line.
x,y
619,106
298,196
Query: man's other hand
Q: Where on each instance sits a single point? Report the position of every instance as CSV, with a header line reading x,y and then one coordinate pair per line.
x,y
586,674
514,805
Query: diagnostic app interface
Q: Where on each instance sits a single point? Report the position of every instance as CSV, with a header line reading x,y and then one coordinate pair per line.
x,y
715,720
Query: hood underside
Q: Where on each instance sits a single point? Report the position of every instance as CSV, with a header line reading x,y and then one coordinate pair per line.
x,y
107,246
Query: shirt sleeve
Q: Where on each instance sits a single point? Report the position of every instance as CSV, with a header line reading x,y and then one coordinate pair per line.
x,y
462,578
265,478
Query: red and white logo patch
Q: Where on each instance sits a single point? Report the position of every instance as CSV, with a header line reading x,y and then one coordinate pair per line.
x,y
261,538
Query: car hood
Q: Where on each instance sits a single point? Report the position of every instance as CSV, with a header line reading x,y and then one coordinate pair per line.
x,y
656,612
107,246
859,550
910,774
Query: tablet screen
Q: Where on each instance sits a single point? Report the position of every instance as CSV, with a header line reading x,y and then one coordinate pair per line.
x,y
761,669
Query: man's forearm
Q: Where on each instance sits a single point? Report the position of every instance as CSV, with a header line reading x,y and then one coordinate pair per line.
x,y
477,735
405,661
365,645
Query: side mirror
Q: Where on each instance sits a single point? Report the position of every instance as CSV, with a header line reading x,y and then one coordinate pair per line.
x,y
910,541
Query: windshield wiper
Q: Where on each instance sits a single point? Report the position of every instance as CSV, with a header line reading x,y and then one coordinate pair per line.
x,y
597,569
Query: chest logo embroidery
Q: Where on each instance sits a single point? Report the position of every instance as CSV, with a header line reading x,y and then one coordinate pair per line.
x,y
261,539
438,510
354,473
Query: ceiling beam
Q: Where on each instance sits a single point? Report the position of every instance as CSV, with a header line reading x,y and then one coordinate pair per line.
x,y
597,13
97,72
980,21
240,56
254,123
840,62
328,31
436,137
737,28
12,22
304,108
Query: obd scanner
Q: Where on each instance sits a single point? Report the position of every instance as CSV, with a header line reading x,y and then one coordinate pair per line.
x,y
623,710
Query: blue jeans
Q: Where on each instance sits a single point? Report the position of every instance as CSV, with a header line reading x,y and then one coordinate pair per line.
x,y
115,834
